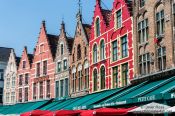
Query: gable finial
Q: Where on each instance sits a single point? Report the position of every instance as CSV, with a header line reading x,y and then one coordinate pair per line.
x,y
79,6
98,2
79,11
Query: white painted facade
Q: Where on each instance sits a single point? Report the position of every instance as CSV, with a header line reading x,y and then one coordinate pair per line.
x,y
10,80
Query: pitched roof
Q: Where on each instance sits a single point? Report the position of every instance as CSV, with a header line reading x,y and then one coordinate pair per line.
x,y
53,40
30,57
129,4
5,53
87,29
17,60
106,15
70,41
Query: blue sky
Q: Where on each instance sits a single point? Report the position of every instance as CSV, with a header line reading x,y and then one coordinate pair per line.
x,y
20,20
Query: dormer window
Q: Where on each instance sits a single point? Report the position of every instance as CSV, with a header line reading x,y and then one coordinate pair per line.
x,y
79,52
24,64
141,3
118,19
62,49
97,27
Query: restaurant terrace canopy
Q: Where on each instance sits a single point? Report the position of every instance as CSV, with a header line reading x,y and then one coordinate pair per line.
x,y
151,108
36,113
171,110
107,112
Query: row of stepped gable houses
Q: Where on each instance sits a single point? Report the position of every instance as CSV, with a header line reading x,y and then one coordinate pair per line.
x,y
131,43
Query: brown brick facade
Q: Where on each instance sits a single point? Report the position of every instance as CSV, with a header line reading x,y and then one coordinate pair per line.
x,y
79,62
155,52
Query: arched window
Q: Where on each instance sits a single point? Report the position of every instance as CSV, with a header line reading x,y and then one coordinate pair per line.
x,y
102,50
79,52
95,79
102,72
95,53
97,26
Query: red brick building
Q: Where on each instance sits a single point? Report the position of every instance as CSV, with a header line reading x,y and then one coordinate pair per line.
x,y
23,78
111,50
43,67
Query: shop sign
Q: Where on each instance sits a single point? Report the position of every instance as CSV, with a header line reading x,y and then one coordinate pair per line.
x,y
147,98
110,104
172,95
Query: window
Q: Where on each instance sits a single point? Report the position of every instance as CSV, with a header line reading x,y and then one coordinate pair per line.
x,y
38,69
86,78
115,77
160,23
79,52
124,74
143,30
8,83
34,91
95,79
102,71
62,49
80,83
114,51
118,19
102,50
62,88
141,3
97,26
85,51
1,74
7,97
124,46
20,95
95,53
66,87
26,94
48,89
74,82
161,58
24,64
13,97
44,67
13,81
26,79
59,67
20,80
41,90
65,64
57,89
144,63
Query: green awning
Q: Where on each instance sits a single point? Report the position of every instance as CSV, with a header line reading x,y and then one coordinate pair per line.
x,y
85,101
22,107
144,92
63,104
52,104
